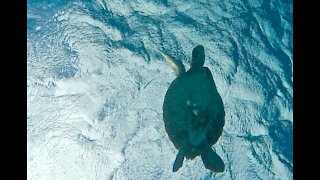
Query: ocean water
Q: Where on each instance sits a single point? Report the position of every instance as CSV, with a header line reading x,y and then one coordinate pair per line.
x,y
96,86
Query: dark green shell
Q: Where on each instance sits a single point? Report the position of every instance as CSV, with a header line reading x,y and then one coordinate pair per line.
x,y
193,112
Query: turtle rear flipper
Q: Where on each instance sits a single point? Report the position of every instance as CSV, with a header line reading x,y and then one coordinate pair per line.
x,y
178,162
212,161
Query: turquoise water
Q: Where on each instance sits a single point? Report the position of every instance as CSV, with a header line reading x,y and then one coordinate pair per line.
x,y
96,86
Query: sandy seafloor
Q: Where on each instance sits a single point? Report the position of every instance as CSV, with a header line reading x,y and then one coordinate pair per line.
x,y
96,84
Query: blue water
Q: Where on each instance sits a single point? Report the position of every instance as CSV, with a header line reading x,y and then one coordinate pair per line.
x,y
94,72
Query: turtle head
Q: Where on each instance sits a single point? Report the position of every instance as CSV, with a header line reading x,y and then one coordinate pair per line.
x,y
197,57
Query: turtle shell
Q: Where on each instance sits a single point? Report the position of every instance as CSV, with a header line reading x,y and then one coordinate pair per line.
x,y
193,112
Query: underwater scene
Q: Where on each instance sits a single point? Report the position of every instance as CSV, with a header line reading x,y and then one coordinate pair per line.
x,y
163,89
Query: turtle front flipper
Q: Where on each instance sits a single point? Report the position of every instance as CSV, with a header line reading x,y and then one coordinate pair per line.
x,y
177,66
178,162
212,161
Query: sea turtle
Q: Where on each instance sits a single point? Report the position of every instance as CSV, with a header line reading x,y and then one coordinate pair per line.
x,y
193,112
